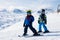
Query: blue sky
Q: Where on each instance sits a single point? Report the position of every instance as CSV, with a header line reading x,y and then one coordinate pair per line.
x,y
29,4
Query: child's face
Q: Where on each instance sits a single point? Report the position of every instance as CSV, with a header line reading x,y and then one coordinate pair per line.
x,y
28,14
43,12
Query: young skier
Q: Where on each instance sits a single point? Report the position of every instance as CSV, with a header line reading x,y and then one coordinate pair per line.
x,y
28,23
42,21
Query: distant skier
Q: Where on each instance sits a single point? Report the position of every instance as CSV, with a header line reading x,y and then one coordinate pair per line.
x,y
28,23
42,21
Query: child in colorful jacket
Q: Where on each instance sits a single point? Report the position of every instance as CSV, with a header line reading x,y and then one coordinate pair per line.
x,y
28,23
42,22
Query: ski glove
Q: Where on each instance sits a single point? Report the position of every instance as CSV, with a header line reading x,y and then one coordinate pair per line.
x,y
24,25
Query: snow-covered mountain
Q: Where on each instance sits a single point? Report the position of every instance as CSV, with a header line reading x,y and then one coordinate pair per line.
x,y
15,10
18,11
47,10
4,10
9,18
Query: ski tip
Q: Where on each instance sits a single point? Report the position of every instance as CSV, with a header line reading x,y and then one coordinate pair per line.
x,y
18,35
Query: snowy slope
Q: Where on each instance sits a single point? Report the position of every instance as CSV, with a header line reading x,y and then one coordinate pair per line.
x,y
12,32
8,18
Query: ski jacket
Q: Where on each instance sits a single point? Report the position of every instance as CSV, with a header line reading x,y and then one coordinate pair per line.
x,y
29,20
42,18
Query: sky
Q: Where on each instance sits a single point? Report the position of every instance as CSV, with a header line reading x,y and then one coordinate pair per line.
x,y
29,4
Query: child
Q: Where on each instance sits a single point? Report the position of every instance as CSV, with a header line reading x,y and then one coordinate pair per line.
x,y
42,21
28,23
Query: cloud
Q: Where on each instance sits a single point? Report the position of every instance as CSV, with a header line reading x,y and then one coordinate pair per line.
x,y
44,6
29,4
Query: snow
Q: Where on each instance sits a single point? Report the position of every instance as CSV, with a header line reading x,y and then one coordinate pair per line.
x,y
7,19
15,29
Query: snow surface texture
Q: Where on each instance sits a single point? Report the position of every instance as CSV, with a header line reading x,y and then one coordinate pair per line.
x,y
7,19
12,32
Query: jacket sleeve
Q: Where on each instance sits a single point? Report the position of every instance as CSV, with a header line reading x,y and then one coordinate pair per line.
x,y
45,19
32,19
24,22
39,19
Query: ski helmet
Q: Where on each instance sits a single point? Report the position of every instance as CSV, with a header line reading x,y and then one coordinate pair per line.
x,y
29,12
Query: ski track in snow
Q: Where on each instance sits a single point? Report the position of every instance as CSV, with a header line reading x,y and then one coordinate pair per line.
x,y
12,32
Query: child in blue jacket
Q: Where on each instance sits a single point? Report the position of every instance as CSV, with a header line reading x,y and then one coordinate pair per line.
x,y
28,23
42,21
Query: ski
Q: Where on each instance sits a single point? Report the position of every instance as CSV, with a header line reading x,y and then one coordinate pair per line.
x,y
27,36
